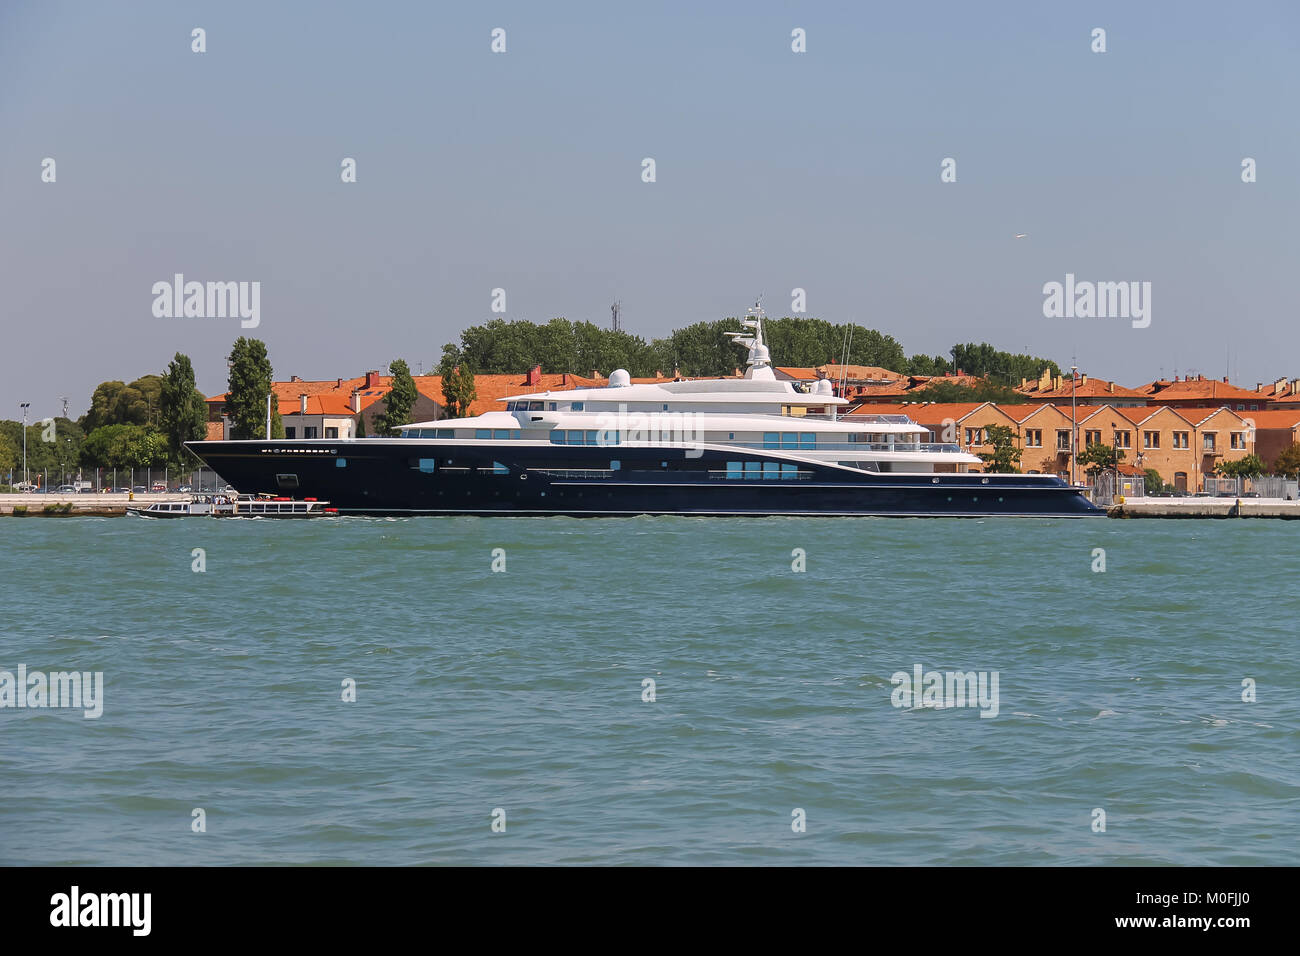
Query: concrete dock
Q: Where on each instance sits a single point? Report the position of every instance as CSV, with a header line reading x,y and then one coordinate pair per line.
x,y
1205,508
88,503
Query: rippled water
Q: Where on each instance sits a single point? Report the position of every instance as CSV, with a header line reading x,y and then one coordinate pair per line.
x,y
523,691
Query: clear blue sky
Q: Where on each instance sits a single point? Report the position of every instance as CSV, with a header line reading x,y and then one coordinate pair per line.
x,y
523,171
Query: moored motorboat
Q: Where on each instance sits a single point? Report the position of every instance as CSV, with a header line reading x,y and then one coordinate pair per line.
x,y
243,506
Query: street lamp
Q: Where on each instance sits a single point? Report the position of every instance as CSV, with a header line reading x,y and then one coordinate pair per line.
x,y
24,406
1074,425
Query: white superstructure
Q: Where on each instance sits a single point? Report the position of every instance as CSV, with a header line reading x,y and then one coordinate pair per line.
x,y
787,420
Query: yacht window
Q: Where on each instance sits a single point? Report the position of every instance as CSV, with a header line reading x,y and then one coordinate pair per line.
x,y
807,439
340,462
771,469
735,469
557,436
615,465
789,440
552,406
482,433
753,469
499,469
510,406
445,433
500,433
426,465
536,406
591,437
789,471
575,437
771,440
577,406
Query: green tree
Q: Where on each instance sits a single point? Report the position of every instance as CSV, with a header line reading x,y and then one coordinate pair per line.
x,y
940,390
103,406
54,450
1287,462
399,401
926,365
987,362
116,403
458,390
249,385
183,411
11,455
124,446
1248,467
1005,457
1155,484
1099,457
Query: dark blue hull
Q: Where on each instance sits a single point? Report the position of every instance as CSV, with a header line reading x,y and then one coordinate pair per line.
x,y
380,477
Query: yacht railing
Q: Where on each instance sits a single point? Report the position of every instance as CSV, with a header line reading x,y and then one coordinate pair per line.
x,y
850,446
871,419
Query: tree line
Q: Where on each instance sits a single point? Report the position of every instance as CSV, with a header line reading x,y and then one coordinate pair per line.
x,y
705,349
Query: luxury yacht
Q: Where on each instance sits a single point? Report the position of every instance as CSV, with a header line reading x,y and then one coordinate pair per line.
x,y
729,446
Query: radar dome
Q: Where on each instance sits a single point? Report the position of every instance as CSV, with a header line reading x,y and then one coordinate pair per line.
x,y
824,387
619,377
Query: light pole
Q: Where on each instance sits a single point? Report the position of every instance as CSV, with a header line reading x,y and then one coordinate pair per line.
x,y
1074,425
24,406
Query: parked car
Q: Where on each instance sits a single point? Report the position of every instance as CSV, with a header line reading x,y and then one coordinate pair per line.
x,y
139,489
1250,494
158,486
185,489
66,489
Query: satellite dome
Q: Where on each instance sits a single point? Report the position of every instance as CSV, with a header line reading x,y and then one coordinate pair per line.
x,y
823,387
619,377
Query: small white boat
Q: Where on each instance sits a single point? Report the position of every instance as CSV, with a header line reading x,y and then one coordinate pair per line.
x,y
227,506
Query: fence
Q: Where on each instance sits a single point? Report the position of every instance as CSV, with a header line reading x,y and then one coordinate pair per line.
x,y
123,479
1218,487
1275,486
1105,489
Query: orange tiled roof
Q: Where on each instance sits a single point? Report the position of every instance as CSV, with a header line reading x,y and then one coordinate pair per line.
x,y
1198,416
327,404
1273,417
1078,388
833,371
922,414
1202,390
